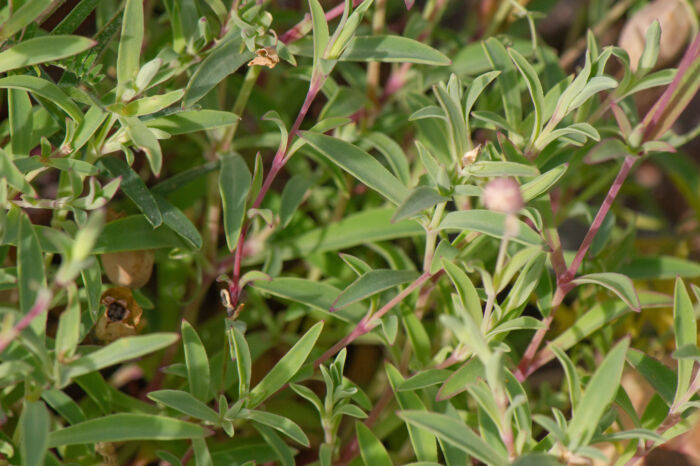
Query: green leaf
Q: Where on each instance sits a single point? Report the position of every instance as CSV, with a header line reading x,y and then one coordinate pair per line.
x,y
34,432
543,183
13,176
41,50
423,442
535,88
685,331
394,155
144,139
651,49
619,284
518,323
489,169
359,164
222,61
371,283
280,423
129,54
594,86
424,379
572,378
202,457
365,227
185,403
371,449
468,373
152,104
178,222
465,289
43,88
21,120
507,80
243,359
286,367
22,17
118,351
597,396
234,184
196,361
192,120
392,49
320,31
135,233
455,433
656,79
317,295
489,223
273,441
475,89
292,197
135,189
661,378
75,17
31,275
689,351
68,333
420,199
537,459
124,427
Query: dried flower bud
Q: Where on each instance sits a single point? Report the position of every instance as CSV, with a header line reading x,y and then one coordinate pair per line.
x,y
470,156
128,268
122,316
675,23
503,195
266,56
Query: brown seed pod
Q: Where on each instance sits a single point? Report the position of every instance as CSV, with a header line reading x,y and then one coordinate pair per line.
x,y
675,21
266,56
122,316
128,268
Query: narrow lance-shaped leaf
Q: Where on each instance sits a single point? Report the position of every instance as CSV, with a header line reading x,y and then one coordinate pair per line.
x,y
372,283
196,361
393,49
120,350
286,367
280,423
685,330
359,164
371,449
129,54
420,199
243,360
615,282
41,50
234,184
185,403
597,396
535,88
490,223
133,186
124,427
31,275
456,433
34,432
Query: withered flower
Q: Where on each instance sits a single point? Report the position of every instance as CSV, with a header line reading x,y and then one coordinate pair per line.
x,y
127,268
122,316
266,56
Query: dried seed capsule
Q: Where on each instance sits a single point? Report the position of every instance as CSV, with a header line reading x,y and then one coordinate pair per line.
x,y
122,316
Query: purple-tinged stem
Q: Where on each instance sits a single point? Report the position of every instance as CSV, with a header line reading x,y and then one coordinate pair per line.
x,y
600,216
40,306
526,367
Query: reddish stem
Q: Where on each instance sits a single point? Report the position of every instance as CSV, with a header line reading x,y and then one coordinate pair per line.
x,y
40,306
526,366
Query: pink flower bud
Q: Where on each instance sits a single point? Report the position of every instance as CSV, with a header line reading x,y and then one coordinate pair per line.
x,y
503,195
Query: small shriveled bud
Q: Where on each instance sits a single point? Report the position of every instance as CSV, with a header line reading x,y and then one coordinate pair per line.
x,y
503,195
470,156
